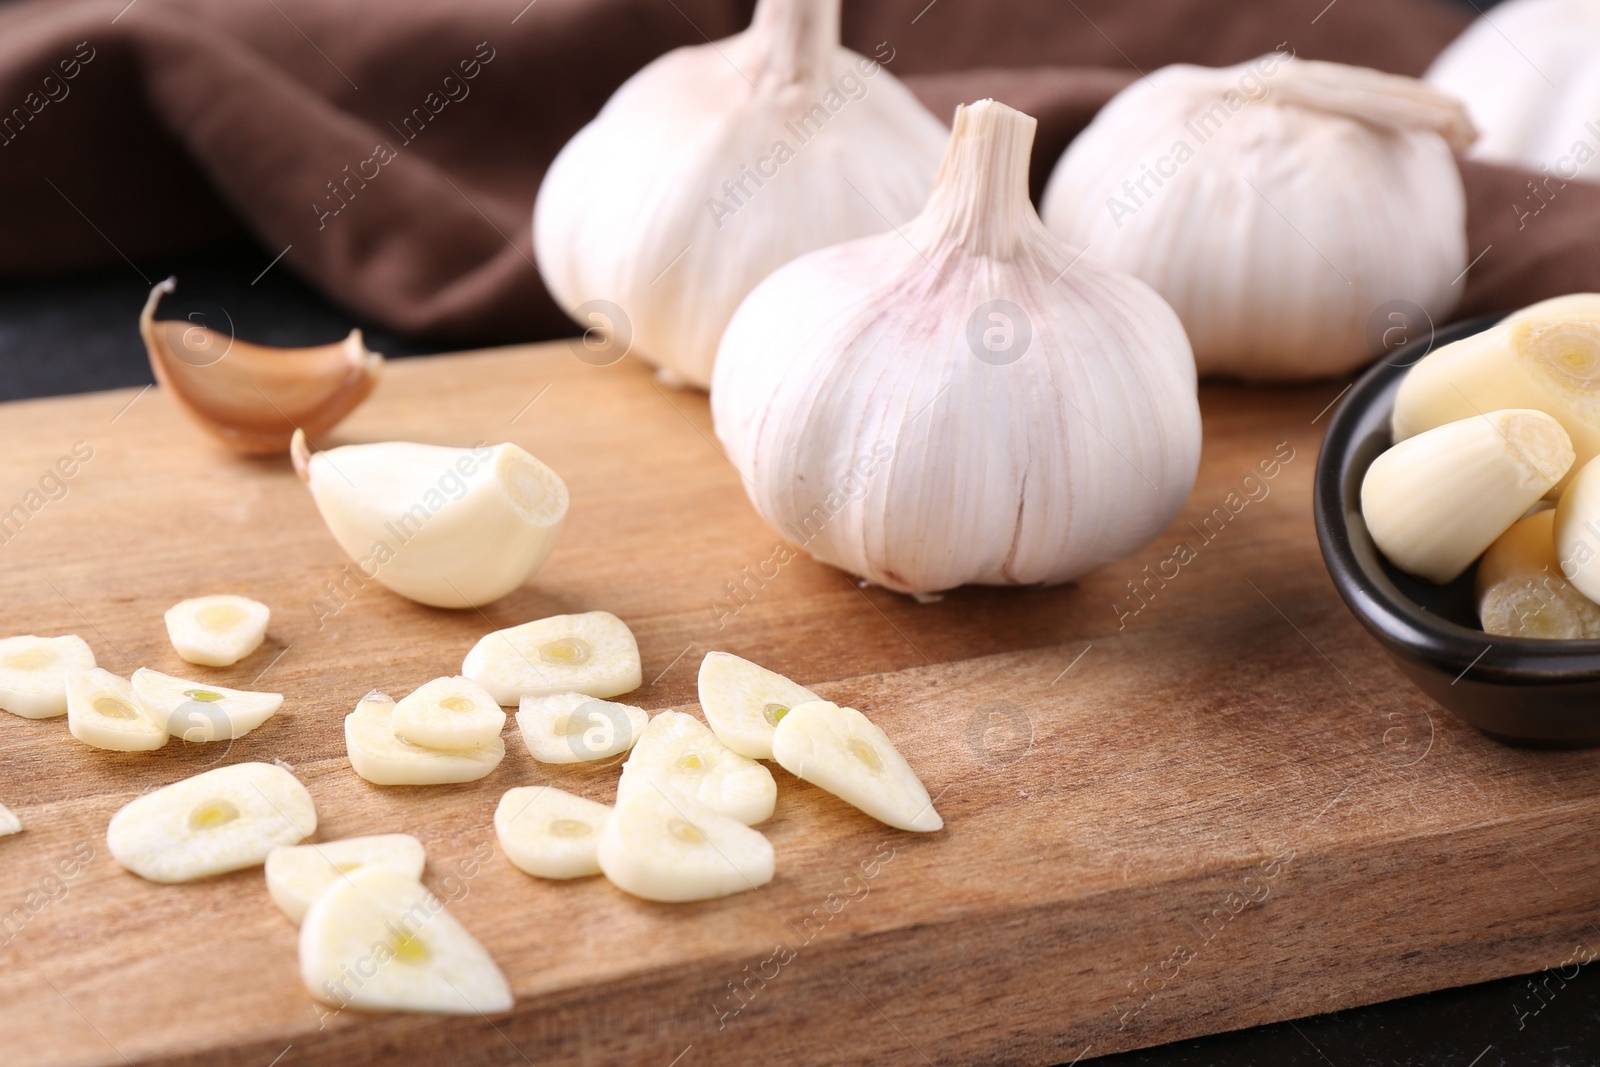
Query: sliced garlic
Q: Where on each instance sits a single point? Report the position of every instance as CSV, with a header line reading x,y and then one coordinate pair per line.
x,y
381,758
199,711
217,631
842,751
250,396
550,833
450,713
9,823
1434,502
298,874
33,673
743,702
102,711
217,821
377,940
674,850
577,728
592,653
680,757
1521,592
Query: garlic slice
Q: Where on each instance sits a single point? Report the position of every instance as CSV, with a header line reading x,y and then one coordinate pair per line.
x,y
298,874
102,712
842,751
1434,502
743,702
378,940
33,673
1521,591
9,823
198,711
676,754
450,713
577,728
592,653
380,757
218,630
217,821
249,396
549,833
672,850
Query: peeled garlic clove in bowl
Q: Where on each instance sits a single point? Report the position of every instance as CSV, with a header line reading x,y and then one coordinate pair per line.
x,y
450,527
252,397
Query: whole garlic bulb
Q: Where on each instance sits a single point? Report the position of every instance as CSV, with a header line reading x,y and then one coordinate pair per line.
x,y
965,401
1277,205
717,164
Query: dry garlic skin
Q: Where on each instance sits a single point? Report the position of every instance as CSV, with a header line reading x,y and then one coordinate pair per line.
x,y
198,711
298,874
217,631
549,833
842,751
380,757
33,673
1521,591
217,821
577,728
448,713
672,850
102,712
676,755
378,940
743,702
9,823
592,653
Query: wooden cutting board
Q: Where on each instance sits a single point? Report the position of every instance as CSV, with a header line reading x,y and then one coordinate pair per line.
x,y
1209,805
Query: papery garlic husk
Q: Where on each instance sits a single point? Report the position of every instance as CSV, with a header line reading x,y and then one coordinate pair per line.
x,y
717,164
965,401
1277,205
1521,591
450,527
253,397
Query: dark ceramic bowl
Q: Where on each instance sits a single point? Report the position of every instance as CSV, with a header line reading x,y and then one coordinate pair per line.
x,y
1522,691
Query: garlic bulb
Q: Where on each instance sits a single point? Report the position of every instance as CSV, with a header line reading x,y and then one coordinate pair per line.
x,y
717,164
1277,205
965,400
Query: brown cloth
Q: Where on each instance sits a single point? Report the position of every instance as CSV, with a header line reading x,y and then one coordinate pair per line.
x,y
134,130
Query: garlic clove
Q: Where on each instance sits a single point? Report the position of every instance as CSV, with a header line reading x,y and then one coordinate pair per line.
x,y
380,757
217,821
33,673
449,527
448,713
577,728
592,653
298,874
253,397
1434,502
549,833
378,940
842,751
671,850
743,702
680,757
197,711
9,823
218,630
1520,589
1577,518
102,712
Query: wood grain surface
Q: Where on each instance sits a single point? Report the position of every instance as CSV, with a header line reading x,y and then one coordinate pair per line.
x,y
1220,809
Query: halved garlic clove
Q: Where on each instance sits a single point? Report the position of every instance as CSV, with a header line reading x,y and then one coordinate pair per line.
x,y
592,653
744,701
298,874
217,821
1521,590
378,940
448,713
674,850
198,711
450,527
33,673
9,823
549,833
102,712
218,630
249,396
677,755
577,728
842,751
380,757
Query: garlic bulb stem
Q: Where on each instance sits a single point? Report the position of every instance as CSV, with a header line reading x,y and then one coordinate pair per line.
x,y
1373,97
800,37
980,196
